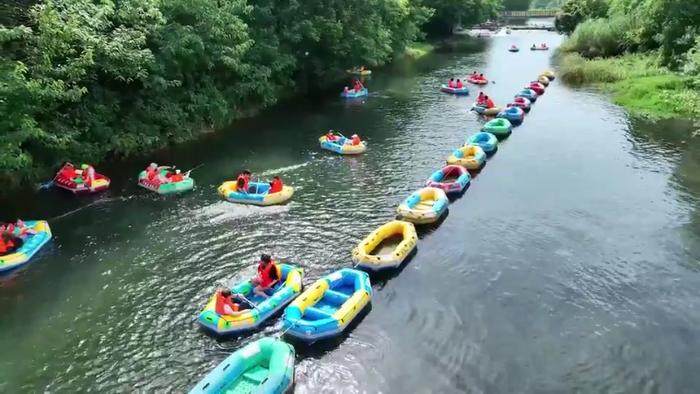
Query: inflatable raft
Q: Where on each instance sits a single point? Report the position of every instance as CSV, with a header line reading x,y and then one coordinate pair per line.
x,y
78,186
486,141
265,366
499,127
426,205
456,91
359,72
328,306
513,49
528,94
522,103
281,295
258,193
537,87
452,179
549,74
470,157
340,146
386,247
352,94
543,80
153,185
479,109
477,81
514,115
539,48
31,244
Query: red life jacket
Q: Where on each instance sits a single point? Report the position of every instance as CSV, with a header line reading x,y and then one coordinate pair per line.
x,y
265,274
221,302
276,186
245,181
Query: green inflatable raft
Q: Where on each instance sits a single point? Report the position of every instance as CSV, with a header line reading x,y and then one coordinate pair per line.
x,y
499,127
264,366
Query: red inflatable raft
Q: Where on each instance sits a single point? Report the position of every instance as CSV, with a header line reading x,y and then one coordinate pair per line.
x,y
76,181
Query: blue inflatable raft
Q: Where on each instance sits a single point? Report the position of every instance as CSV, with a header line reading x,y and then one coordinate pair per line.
x,y
352,94
328,306
528,94
486,141
31,243
514,115
464,91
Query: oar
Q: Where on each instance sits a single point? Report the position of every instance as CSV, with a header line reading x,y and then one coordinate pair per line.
x,y
46,185
187,174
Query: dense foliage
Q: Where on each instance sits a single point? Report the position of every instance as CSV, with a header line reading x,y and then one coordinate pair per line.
x,y
450,13
84,79
670,26
574,12
516,5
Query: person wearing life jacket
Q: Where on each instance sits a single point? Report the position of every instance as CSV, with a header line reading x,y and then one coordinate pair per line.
x,y
355,139
481,77
229,304
267,276
451,83
177,177
480,99
330,137
358,86
88,174
459,84
276,184
242,181
488,102
67,171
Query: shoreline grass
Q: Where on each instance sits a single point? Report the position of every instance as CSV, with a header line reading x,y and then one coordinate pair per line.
x,y
636,82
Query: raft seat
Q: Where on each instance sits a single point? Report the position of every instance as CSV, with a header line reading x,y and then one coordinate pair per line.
x,y
335,297
425,204
313,313
256,375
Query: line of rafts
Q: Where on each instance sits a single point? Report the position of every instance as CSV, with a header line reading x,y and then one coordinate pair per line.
x,y
329,306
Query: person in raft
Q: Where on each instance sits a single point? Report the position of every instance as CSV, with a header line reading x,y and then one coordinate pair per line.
x,y
353,140
488,103
451,83
330,137
242,181
87,173
229,304
175,176
358,86
481,99
481,77
276,185
474,75
459,84
11,228
267,276
67,171
9,243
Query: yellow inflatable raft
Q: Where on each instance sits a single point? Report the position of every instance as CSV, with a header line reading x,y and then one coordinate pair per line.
x,y
491,111
549,74
471,157
424,206
258,193
543,80
387,246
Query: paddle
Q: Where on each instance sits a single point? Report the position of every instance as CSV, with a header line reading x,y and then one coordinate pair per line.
x,y
45,185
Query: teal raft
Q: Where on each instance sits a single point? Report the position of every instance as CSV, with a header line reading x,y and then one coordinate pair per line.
x,y
265,366
499,127
31,243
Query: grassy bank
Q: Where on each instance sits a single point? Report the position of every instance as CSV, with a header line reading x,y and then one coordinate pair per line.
x,y
419,49
636,82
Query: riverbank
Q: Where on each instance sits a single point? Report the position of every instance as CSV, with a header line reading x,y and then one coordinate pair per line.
x,y
636,82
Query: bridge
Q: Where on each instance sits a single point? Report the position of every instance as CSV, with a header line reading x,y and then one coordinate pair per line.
x,y
550,13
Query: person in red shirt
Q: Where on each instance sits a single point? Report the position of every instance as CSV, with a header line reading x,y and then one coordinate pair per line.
x,y
228,304
67,171
451,83
267,276
480,100
355,139
489,103
276,185
358,86
331,137
7,244
151,171
243,180
459,84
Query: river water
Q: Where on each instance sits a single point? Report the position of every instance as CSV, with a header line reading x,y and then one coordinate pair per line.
x,y
572,264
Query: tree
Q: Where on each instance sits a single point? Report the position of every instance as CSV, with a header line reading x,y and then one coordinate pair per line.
x,y
574,12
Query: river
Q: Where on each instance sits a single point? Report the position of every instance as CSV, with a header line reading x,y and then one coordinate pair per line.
x,y
572,263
